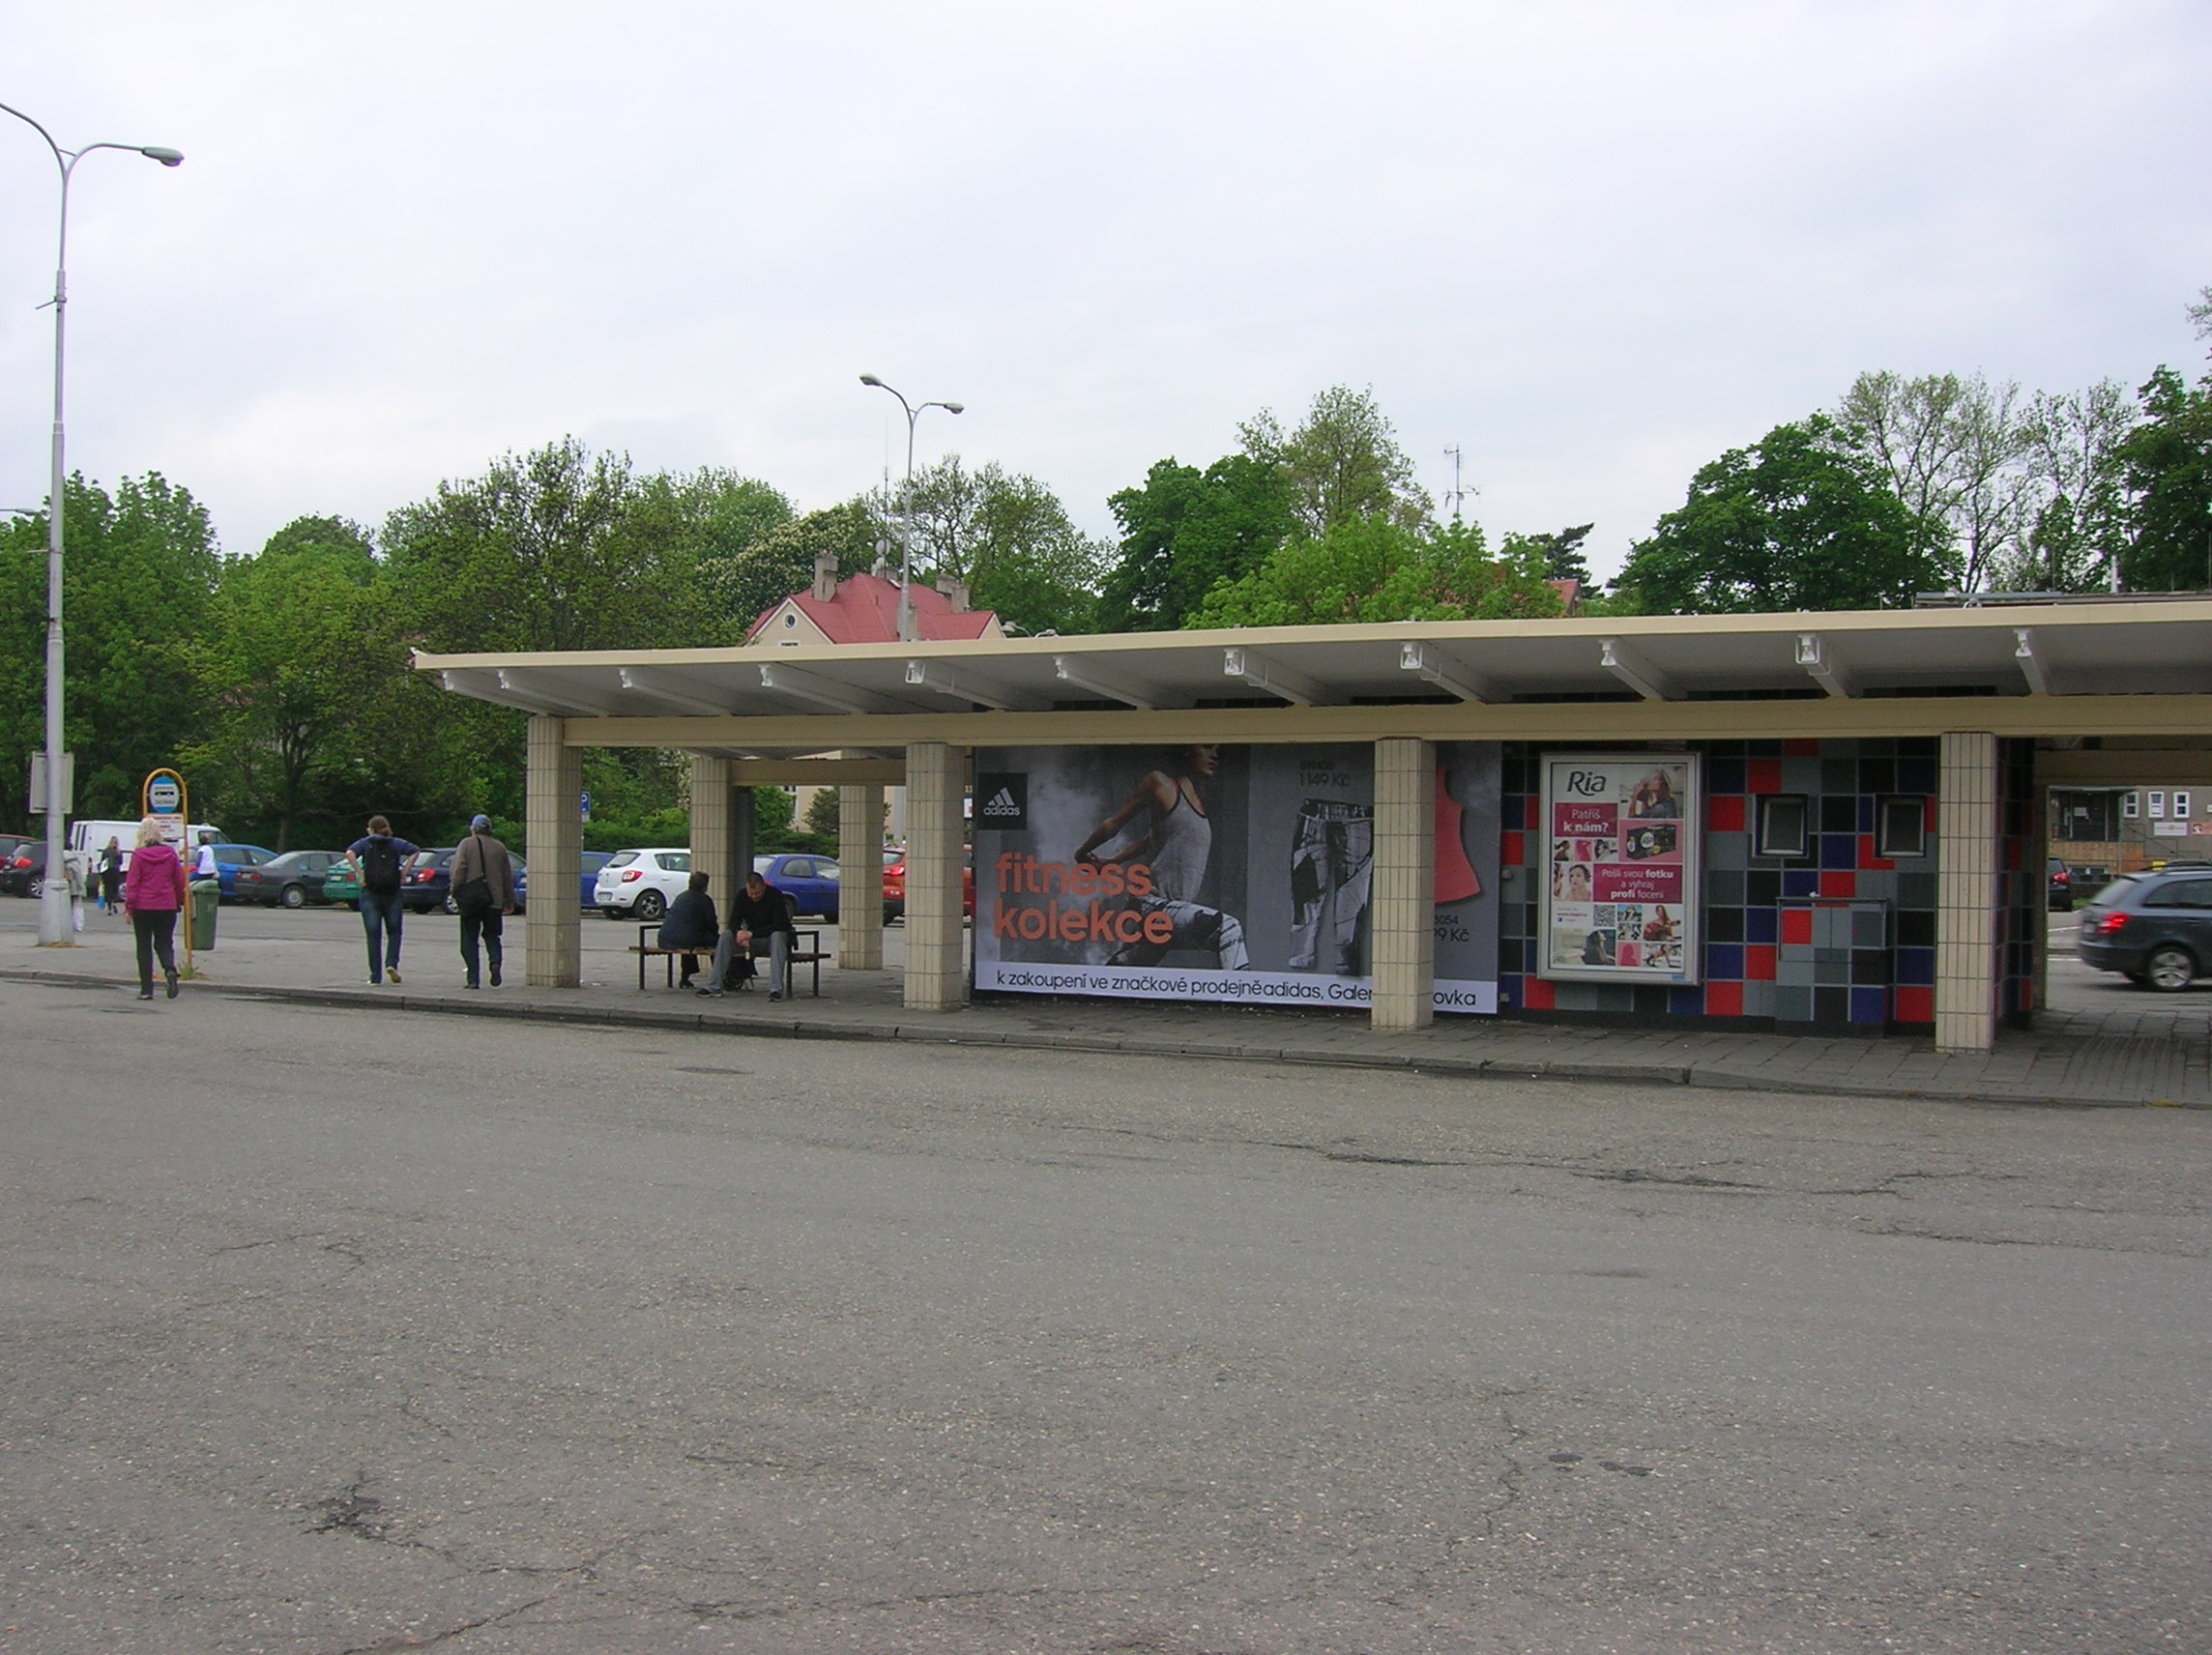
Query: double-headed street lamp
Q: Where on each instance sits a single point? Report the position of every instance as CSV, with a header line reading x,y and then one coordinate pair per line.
x,y
53,903
905,626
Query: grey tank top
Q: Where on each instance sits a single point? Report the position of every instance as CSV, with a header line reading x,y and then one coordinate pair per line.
x,y
1182,843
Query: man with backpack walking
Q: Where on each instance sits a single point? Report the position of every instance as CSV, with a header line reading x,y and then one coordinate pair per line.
x,y
484,894
377,861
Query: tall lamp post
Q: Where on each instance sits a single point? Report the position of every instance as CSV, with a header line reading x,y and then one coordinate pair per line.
x,y
906,627
53,903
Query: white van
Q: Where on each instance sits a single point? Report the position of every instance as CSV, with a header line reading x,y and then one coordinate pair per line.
x,y
88,838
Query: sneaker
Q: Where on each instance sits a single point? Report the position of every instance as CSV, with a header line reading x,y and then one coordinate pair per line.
x,y
172,985
773,995
495,973
392,972
708,993
471,983
145,993
373,983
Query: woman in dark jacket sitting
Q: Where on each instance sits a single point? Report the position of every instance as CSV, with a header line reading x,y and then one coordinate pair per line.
x,y
691,923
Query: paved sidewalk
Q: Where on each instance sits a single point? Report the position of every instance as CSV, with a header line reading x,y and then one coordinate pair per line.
x,y
2105,1046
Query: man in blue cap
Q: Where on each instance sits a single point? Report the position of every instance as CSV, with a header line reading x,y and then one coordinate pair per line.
x,y
484,894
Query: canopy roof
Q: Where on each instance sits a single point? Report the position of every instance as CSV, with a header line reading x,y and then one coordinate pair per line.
x,y
2148,648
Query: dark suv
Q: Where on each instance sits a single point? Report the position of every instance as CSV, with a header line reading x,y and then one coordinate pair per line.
x,y
2154,929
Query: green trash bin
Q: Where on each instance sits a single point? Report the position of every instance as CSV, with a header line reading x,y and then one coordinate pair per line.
x,y
207,897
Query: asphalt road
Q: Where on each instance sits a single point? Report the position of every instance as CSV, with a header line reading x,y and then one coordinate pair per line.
x,y
324,1331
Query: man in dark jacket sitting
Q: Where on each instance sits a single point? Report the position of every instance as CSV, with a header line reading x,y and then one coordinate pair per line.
x,y
759,912
691,923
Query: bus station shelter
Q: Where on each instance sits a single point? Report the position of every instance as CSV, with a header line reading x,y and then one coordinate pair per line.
x,y
1776,821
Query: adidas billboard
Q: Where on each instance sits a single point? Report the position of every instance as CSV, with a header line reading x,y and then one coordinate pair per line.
x,y
1003,800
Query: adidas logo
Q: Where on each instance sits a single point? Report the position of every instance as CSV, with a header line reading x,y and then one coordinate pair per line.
x,y
1001,803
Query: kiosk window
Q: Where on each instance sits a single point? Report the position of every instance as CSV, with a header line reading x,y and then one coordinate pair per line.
x,y
1901,828
1785,826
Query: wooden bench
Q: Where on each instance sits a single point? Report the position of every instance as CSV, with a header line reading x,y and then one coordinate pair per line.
x,y
806,953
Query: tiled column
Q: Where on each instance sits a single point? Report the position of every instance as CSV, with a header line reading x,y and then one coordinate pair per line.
x,y
1402,921
936,974
1966,912
861,893
554,787
713,847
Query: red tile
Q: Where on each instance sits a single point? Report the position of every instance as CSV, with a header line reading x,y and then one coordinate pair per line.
x,y
1535,822
1724,1000
1539,996
1511,850
1868,861
1758,962
1723,813
1915,1005
1762,775
1802,747
1839,885
1797,927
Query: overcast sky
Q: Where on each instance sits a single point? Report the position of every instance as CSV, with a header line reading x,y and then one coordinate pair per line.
x,y
1592,244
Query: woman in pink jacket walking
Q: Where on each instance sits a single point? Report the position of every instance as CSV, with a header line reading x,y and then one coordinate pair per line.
x,y
153,893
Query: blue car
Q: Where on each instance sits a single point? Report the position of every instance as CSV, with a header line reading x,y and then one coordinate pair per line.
x,y
229,858
810,881
594,861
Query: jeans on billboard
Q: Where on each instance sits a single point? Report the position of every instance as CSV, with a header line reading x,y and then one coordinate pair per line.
x,y
381,912
1332,857
1208,928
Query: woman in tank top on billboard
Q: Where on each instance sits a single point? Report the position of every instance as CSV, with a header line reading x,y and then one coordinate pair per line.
x,y
1177,844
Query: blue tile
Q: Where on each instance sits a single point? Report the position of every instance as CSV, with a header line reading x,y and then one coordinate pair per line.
x,y
1866,813
1801,881
1724,962
1839,851
1760,926
1686,1001
1916,967
1870,1006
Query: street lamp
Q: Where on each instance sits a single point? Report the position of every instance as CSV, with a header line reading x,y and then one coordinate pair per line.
x,y
906,627
53,903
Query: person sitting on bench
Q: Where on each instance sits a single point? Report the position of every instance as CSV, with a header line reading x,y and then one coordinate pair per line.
x,y
691,923
759,911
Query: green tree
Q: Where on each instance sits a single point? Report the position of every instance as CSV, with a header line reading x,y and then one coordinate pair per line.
x,y
556,549
1793,522
1373,568
139,568
1952,450
2078,523
1186,529
1342,461
293,669
731,529
782,562
2168,460
1009,539
1560,554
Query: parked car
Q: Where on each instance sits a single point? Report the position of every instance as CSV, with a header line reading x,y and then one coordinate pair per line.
x,y
894,884
230,861
2155,929
294,879
593,862
426,879
811,882
19,859
640,885
341,886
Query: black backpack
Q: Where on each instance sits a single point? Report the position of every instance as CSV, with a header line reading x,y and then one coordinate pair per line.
x,y
380,867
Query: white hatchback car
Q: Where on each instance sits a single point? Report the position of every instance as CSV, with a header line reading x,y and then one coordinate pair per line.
x,y
640,885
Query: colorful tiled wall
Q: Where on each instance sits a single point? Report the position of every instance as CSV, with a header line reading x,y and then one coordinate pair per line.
x,y
1843,940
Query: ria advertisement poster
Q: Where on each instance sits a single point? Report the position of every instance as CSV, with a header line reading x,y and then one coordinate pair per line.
x,y
1619,890
1225,874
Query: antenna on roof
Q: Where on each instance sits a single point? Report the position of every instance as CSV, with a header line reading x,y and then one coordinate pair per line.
x,y
1455,495
883,565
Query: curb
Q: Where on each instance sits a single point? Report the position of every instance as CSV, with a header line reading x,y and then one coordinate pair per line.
x,y
1440,1067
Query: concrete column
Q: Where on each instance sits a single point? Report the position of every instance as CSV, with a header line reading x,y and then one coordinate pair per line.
x,y
1967,912
861,897
1402,915
554,787
936,973
713,843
